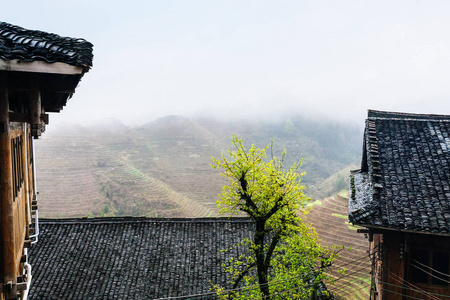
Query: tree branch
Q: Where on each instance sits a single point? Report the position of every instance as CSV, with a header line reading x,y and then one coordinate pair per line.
x,y
272,246
242,274
276,207
247,210
244,195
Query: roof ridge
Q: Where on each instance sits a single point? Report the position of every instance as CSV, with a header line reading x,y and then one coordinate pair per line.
x,y
119,220
412,119
387,115
372,149
373,163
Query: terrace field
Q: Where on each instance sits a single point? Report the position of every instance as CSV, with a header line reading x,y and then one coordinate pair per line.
x,y
162,169
329,217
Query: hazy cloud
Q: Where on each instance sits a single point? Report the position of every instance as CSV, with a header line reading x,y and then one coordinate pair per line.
x,y
240,58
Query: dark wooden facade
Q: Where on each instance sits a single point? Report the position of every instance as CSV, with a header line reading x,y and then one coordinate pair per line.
x,y
18,203
38,74
409,265
22,118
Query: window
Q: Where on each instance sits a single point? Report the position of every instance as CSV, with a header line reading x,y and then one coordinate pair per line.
x,y
17,164
430,266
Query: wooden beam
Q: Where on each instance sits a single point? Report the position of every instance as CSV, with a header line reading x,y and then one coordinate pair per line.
x,y
44,118
49,82
7,216
39,67
18,117
25,118
22,286
381,229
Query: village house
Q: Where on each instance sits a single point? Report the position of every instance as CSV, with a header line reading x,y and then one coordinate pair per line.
x,y
39,72
401,195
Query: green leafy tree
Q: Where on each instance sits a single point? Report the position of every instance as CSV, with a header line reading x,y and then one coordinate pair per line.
x,y
285,259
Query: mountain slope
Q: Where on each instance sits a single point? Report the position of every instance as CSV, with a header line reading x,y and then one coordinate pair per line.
x,y
329,217
163,168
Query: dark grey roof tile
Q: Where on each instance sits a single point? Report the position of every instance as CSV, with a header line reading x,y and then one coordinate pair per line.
x,y
132,258
33,45
411,171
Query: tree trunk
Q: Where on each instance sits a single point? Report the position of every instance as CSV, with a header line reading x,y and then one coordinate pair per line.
x,y
260,259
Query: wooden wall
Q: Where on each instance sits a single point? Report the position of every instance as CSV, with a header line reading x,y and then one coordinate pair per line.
x,y
22,167
394,271
432,243
392,266
16,201
376,254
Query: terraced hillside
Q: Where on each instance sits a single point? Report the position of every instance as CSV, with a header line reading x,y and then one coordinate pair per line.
x,y
163,169
329,217
73,189
121,172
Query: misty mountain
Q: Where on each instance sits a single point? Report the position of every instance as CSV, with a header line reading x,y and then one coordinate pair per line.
x,y
163,167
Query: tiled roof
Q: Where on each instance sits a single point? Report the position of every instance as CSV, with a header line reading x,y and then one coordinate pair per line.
x,y
33,45
404,181
132,258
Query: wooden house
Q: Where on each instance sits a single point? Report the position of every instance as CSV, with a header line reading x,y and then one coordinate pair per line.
x,y
401,195
39,72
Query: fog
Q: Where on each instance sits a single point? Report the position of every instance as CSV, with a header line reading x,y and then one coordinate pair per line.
x,y
251,59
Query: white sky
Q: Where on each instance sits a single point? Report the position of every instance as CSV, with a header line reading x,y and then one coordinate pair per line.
x,y
251,58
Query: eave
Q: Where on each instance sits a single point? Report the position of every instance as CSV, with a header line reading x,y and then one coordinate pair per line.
x,y
381,228
55,88
39,67
36,88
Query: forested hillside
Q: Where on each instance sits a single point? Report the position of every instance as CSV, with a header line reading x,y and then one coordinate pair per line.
x,y
163,168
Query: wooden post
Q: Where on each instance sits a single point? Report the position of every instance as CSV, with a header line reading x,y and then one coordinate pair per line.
x,y
7,217
35,108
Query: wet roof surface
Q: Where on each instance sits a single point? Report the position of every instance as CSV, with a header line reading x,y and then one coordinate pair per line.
x,y
34,45
407,164
132,258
